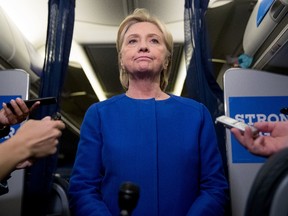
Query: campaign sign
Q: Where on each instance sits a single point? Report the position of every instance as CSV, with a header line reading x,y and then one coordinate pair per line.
x,y
251,110
13,128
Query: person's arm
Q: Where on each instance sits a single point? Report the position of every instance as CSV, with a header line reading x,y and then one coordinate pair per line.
x,y
85,196
213,186
264,145
34,139
11,153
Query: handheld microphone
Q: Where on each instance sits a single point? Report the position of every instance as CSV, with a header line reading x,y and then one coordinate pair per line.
x,y
128,198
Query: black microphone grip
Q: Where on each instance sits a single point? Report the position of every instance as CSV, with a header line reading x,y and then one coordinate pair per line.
x,y
128,198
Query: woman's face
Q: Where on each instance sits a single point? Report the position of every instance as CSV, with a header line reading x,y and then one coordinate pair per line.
x,y
143,49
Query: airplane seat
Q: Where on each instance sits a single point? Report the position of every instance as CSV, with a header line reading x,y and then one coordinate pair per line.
x,y
268,194
58,202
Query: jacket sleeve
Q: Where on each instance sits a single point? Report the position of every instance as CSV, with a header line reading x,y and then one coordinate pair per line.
x,y
85,182
213,194
4,131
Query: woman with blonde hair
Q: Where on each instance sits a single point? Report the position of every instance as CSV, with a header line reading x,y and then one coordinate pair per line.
x,y
164,143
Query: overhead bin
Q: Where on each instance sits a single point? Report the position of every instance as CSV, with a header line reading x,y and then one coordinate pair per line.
x,y
16,51
266,36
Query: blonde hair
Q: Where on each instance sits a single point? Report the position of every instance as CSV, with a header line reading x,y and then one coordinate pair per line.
x,y
142,15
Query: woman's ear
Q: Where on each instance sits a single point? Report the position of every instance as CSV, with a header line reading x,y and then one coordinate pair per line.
x,y
120,60
166,63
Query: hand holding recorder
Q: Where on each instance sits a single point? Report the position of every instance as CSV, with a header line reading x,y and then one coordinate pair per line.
x,y
230,123
268,144
34,139
276,137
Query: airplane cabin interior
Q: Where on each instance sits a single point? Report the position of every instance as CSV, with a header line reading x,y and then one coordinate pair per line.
x,y
92,74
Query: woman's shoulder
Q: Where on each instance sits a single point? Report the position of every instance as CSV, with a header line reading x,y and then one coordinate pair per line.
x,y
107,102
187,101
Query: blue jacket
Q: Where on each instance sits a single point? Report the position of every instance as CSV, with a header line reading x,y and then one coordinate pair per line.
x,y
168,148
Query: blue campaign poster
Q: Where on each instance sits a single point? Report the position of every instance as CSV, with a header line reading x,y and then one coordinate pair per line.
x,y
262,10
251,110
14,128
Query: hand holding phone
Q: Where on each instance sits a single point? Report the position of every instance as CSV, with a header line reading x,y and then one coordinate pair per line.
x,y
229,123
29,103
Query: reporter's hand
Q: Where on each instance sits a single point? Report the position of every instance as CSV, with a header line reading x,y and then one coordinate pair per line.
x,y
264,145
21,112
40,137
25,164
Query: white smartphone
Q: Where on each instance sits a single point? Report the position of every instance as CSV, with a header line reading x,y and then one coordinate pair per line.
x,y
229,123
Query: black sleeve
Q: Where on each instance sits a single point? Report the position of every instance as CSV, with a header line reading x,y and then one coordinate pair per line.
x,y
4,131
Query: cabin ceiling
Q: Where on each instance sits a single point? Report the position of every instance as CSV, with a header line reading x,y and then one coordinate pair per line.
x,y
111,12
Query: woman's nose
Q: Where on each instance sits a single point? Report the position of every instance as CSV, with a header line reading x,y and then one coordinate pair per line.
x,y
143,47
